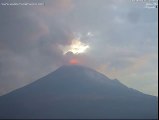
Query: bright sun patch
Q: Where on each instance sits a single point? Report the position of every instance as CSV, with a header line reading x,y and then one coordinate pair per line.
x,y
76,47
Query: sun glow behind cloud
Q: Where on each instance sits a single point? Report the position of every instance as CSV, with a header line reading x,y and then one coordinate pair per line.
x,y
76,47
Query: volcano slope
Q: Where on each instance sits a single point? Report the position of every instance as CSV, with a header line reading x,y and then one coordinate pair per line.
x,y
77,92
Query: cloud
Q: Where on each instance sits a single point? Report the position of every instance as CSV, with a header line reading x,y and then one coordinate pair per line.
x,y
76,47
137,72
53,7
28,44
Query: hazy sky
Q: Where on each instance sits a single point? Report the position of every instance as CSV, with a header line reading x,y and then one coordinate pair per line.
x,y
117,37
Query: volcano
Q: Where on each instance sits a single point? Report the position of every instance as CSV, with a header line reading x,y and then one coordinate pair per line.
x,y
77,92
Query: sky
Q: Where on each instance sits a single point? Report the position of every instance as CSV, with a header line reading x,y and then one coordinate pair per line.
x,y
118,38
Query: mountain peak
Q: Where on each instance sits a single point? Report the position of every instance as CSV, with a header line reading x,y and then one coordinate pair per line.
x,y
75,66
80,70
72,66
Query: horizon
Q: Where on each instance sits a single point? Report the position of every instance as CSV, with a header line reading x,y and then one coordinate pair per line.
x,y
77,66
